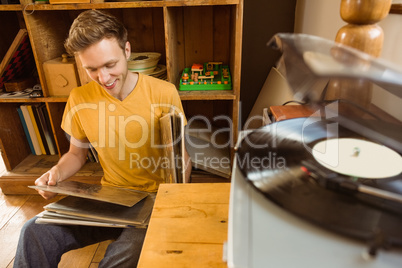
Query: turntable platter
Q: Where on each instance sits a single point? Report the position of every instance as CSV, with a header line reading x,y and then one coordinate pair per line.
x,y
358,158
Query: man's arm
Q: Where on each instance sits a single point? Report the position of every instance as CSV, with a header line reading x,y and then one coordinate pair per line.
x,y
67,166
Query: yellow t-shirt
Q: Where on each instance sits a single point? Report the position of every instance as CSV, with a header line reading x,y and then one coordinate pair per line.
x,y
126,134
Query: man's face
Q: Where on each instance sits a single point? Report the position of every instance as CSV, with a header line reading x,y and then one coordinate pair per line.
x,y
106,64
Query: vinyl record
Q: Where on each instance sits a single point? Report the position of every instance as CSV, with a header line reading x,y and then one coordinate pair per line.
x,y
277,160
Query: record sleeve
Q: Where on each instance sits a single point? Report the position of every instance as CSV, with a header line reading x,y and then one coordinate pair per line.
x,y
75,210
115,195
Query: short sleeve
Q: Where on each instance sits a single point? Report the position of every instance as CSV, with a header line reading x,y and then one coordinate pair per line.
x,y
71,123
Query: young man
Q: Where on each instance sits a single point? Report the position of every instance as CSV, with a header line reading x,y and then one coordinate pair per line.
x,y
118,113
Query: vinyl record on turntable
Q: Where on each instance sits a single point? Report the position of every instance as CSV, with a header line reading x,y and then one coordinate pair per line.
x,y
278,160
358,158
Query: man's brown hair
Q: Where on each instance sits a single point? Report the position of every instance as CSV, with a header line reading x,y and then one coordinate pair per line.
x,y
92,26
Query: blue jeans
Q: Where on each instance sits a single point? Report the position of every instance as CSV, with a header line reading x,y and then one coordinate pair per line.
x,y
42,245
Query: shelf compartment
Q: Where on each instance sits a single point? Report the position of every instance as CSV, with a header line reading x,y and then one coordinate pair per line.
x,y
197,35
14,22
56,111
13,142
48,31
217,112
207,95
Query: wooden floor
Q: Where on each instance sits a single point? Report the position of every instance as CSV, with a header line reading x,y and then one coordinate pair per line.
x,y
15,210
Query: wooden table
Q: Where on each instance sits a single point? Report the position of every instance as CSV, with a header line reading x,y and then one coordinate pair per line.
x,y
188,226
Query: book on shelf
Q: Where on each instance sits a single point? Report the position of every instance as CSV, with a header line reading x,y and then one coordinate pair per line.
x,y
45,127
36,129
92,154
26,131
31,130
35,113
96,205
39,132
90,157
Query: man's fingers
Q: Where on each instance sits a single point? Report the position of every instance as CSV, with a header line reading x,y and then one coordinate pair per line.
x,y
52,179
53,176
46,195
42,180
49,178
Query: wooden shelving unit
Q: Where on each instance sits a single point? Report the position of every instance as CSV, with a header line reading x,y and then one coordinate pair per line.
x,y
184,32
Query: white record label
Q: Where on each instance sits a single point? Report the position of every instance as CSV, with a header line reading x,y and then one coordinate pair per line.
x,y
358,158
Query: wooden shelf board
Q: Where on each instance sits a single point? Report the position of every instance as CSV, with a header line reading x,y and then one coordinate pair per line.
x,y
22,100
133,4
36,165
184,95
207,95
11,7
25,174
56,99
200,2
30,100
108,5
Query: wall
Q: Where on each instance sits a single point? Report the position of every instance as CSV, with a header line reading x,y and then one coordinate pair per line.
x,y
261,20
322,18
392,26
318,17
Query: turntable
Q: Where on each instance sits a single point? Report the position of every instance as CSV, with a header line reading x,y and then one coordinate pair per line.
x,y
322,191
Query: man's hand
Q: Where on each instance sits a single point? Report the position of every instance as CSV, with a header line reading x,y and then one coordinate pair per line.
x,y
67,166
49,178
